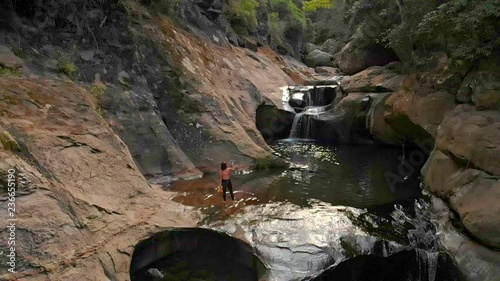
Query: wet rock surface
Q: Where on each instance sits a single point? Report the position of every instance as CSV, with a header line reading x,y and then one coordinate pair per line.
x,y
413,265
295,242
464,169
475,262
273,123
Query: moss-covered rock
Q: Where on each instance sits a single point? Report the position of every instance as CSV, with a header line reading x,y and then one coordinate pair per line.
x,y
8,142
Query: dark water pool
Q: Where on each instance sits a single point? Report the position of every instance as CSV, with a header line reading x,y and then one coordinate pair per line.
x,y
356,176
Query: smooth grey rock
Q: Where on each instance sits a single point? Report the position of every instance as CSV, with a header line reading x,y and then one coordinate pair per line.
x,y
124,77
9,59
87,55
331,46
309,47
155,273
318,58
475,261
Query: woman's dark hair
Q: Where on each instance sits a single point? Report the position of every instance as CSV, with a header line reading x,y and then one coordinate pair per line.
x,y
223,166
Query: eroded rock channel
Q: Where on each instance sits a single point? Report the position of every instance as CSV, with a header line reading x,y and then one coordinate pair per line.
x,y
194,254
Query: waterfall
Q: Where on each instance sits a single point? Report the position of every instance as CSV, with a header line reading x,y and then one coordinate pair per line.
x,y
295,130
316,101
427,264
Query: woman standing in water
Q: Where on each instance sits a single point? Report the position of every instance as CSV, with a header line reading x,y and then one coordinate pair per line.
x,y
225,179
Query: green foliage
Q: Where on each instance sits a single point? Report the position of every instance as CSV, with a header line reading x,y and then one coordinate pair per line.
x,y
466,29
276,30
470,27
326,23
314,5
97,91
288,11
242,14
64,65
5,71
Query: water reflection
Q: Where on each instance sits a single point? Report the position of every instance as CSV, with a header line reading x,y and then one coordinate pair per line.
x,y
340,175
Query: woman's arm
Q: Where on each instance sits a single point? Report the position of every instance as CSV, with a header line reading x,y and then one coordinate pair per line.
x,y
232,166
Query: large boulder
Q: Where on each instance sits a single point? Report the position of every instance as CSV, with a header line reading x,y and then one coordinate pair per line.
x,y
482,88
475,261
331,46
464,168
471,193
318,58
309,47
273,123
415,117
471,136
375,79
356,56
345,123
378,127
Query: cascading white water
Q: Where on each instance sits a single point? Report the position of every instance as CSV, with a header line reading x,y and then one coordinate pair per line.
x,y
297,121
316,102
427,264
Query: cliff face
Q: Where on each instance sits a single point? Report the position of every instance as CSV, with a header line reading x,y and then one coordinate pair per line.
x,y
89,125
81,203
183,101
447,101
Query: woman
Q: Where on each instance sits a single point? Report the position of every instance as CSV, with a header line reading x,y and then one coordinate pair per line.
x,y
225,179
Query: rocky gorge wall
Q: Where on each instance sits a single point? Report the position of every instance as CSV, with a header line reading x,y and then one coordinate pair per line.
x,y
81,201
90,121
440,93
182,103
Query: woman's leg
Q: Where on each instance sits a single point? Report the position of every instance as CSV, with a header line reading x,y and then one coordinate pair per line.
x,y
224,183
230,186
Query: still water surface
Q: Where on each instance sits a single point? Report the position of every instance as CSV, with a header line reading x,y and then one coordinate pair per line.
x,y
356,176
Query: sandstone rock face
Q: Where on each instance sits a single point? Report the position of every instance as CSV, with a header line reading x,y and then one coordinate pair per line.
x,y
228,84
151,144
465,168
82,203
476,262
318,58
472,137
375,79
482,88
362,52
417,116
204,19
